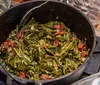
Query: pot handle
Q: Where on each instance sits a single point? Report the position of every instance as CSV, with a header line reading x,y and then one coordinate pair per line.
x,y
97,46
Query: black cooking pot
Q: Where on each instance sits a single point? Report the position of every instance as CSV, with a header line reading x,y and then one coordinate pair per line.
x,y
72,18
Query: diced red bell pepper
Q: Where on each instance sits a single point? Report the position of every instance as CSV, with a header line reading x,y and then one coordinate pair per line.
x,y
22,75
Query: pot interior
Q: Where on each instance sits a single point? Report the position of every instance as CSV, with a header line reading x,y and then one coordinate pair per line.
x,y
52,11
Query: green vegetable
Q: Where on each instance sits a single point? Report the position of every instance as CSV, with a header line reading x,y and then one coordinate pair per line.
x,y
37,49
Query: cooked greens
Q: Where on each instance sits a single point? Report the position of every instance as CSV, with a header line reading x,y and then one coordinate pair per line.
x,y
42,51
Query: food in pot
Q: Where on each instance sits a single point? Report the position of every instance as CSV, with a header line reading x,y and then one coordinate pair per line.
x,y
43,51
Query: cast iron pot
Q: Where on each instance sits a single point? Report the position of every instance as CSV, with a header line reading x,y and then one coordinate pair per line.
x,y
74,19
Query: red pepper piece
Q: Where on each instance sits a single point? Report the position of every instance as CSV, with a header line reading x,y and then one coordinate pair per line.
x,y
22,75
20,35
57,26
